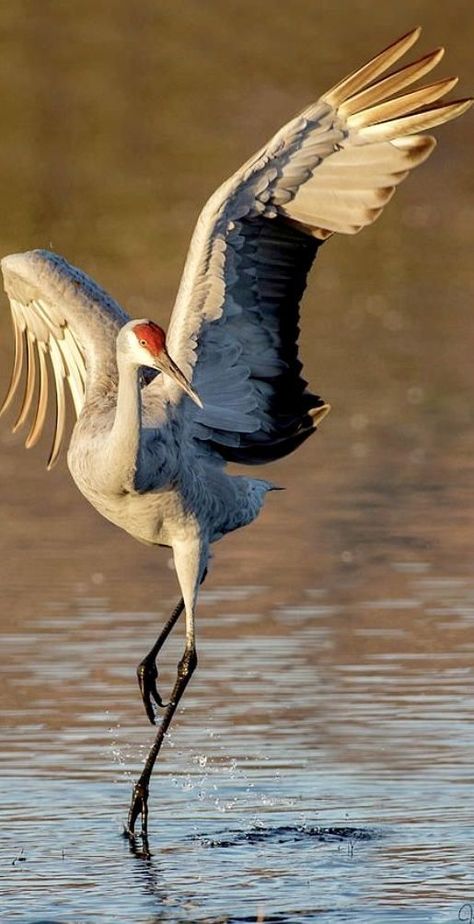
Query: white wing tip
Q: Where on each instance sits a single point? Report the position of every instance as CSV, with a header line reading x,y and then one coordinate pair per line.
x,y
319,413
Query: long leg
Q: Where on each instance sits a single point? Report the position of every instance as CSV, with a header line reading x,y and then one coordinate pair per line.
x,y
190,568
147,671
139,803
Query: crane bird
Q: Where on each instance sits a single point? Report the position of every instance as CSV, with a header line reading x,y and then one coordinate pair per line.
x,y
149,450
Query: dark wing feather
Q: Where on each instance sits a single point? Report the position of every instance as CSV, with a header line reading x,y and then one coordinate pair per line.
x,y
274,262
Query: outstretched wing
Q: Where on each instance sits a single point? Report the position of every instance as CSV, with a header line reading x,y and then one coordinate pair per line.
x,y
234,327
63,319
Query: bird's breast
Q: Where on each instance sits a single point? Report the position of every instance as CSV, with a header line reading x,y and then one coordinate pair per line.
x,y
156,517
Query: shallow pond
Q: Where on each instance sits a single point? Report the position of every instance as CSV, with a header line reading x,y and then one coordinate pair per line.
x,y
322,761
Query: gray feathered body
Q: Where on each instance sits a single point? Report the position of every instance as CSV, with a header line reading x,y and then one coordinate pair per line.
x,y
170,493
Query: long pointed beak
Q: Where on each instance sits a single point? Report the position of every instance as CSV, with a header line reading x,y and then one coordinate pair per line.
x,y
165,364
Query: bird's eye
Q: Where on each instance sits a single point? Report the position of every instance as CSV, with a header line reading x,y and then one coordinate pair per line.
x,y
143,343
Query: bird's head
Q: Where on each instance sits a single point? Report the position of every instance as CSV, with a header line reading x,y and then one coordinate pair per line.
x,y
144,344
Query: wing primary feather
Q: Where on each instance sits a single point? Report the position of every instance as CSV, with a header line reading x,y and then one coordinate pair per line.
x,y
58,369
30,381
76,390
76,355
73,375
402,105
396,82
18,362
414,122
42,405
370,71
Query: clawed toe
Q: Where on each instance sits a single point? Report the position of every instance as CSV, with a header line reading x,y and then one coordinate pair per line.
x,y
147,675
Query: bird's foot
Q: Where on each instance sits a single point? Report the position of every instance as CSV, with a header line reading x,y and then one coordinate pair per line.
x,y
140,848
147,674
138,806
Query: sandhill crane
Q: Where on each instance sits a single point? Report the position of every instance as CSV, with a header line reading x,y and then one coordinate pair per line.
x,y
149,450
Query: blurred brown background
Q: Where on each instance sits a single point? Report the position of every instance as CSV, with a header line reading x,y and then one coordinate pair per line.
x,y
118,120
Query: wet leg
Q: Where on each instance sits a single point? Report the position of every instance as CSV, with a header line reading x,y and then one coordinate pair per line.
x,y
139,803
190,560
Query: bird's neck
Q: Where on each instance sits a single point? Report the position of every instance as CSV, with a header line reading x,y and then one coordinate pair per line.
x,y
124,440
